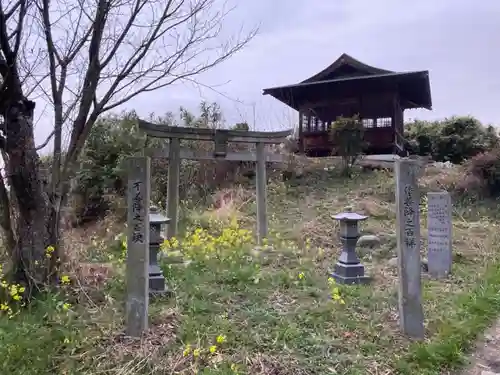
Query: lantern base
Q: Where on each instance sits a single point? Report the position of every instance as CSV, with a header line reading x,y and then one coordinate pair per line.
x,y
350,274
157,285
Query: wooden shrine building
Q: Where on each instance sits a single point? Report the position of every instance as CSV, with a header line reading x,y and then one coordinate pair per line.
x,y
347,88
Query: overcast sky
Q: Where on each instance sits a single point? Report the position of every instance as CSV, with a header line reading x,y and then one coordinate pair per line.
x,y
456,40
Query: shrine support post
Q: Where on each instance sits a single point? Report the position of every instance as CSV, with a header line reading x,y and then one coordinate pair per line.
x,y
174,166
261,192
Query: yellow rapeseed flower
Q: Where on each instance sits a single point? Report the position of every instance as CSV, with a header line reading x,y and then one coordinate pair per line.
x,y
65,279
66,306
213,349
302,276
196,353
221,339
187,350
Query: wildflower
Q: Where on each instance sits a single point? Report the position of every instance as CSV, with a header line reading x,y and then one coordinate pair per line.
x,y
212,349
302,276
221,339
187,350
65,279
4,307
66,306
49,251
196,353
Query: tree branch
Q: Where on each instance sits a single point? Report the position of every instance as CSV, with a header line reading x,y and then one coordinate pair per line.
x,y
46,142
137,8
10,13
90,82
10,73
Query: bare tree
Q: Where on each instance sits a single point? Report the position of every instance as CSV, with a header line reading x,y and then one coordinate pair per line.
x,y
85,57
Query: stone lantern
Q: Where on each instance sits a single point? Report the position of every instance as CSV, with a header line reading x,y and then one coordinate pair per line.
x,y
348,269
156,279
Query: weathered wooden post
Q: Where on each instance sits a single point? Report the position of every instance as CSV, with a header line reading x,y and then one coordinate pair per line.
x,y
411,314
174,166
261,192
138,190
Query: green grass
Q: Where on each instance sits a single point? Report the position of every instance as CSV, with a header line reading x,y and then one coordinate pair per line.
x,y
473,313
273,321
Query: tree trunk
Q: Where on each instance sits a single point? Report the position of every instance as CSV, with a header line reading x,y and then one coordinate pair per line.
x,y
34,228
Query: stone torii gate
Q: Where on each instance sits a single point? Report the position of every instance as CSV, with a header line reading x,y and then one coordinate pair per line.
x,y
221,138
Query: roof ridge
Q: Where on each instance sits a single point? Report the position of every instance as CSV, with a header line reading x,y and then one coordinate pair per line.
x,y
346,59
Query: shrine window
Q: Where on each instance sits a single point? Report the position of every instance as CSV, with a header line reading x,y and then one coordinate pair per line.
x,y
368,123
385,122
311,124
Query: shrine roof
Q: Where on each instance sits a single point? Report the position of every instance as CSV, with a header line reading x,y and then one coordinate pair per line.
x,y
350,77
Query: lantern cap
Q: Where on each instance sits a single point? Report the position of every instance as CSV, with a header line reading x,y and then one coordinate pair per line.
x,y
155,217
349,216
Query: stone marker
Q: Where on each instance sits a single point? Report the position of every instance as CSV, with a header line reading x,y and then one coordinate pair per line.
x,y
439,234
138,190
348,269
411,314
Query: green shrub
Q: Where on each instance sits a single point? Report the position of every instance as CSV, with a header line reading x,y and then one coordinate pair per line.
x,y
455,139
348,135
101,180
102,171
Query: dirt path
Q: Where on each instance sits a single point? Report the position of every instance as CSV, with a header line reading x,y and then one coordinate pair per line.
x,y
486,359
